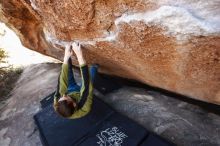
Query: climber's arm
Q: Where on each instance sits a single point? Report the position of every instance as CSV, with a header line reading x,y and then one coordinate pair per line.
x,y
84,93
86,100
63,77
64,72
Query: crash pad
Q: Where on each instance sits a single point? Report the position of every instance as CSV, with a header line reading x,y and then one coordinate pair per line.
x,y
103,126
116,130
58,131
106,84
47,100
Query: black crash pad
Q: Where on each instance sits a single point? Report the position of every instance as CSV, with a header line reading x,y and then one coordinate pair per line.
x,y
106,84
101,127
154,140
58,131
47,100
116,130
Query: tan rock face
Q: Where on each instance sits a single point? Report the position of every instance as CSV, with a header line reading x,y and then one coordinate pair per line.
x,y
167,44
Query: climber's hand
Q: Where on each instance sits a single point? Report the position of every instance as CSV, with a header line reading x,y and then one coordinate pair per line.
x,y
78,51
68,53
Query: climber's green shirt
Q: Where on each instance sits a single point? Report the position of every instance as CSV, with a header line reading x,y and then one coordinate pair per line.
x,y
84,98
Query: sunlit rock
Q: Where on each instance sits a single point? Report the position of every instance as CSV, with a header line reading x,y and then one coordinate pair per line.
x,y
174,45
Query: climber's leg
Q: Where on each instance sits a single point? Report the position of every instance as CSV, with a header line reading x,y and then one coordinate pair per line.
x,y
93,72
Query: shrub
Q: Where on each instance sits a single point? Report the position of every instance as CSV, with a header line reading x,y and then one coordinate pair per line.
x,y
8,75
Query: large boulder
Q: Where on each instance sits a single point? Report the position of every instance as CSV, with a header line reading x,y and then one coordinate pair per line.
x,y
173,45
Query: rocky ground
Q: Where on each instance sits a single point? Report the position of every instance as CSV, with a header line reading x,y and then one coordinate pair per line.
x,y
181,122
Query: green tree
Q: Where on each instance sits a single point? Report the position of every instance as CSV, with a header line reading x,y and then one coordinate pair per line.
x,y
8,75
3,56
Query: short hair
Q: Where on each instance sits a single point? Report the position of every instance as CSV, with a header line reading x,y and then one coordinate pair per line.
x,y
65,109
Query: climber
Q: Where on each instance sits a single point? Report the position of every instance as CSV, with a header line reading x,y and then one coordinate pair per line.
x,y
70,100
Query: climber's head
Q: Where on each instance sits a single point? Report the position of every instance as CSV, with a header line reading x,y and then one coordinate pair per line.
x,y
66,106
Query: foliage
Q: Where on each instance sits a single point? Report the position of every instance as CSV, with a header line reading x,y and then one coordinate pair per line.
x,y
3,55
8,75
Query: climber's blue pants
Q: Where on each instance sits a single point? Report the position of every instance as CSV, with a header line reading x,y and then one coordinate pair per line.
x,y
72,85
